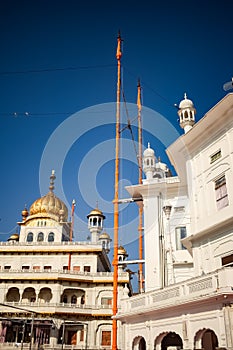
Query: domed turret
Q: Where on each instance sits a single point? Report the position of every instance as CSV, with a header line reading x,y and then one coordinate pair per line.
x,y
122,255
95,223
49,205
186,114
105,240
149,162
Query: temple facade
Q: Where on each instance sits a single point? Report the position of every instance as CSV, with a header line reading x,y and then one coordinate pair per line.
x,y
188,239
55,292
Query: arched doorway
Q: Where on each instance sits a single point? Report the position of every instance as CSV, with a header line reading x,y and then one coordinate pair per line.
x,y
171,339
139,343
206,339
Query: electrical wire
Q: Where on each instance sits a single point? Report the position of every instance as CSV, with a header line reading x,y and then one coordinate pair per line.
x,y
47,70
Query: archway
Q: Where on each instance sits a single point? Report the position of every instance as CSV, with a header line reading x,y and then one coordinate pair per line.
x,y
139,343
171,339
206,339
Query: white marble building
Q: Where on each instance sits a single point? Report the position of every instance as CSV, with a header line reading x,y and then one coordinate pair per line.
x,y
188,239
55,292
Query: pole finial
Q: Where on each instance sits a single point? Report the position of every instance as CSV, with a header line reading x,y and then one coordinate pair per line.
x,y
52,178
119,40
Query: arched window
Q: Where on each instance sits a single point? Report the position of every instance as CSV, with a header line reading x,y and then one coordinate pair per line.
x,y
40,237
73,299
51,237
30,237
64,299
95,222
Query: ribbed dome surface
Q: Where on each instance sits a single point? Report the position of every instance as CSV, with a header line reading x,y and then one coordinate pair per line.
x,y
49,204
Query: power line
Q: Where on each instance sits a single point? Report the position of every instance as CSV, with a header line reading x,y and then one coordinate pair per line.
x,y
150,88
45,70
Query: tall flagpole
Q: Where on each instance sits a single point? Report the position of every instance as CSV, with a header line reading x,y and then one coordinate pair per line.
x,y
140,224
116,196
71,231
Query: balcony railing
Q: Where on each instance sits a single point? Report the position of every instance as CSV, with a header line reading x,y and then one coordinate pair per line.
x,y
46,307
207,286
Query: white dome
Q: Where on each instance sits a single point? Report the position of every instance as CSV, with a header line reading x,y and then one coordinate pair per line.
x,y
149,152
186,103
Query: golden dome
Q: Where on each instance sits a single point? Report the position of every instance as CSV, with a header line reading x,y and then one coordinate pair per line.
x,y
122,251
104,235
49,205
96,211
14,237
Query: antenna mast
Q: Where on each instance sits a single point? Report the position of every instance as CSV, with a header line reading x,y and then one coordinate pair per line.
x,y
116,196
140,210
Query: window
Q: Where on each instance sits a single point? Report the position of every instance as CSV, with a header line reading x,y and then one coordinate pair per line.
x,y
215,156
47,268
40,237
65,268
227,260
221,193
87,268
106,338
76,268
7,267
36,268
51,237
30,237
25,267
106,301
180,234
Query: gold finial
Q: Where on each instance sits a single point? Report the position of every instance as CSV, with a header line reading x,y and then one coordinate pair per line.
x,y
52,178
119,40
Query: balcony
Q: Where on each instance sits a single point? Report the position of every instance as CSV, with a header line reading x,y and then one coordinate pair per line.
x,y
55,308
53,274
216,284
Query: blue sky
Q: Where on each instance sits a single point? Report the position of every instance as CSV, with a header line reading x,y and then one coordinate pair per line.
x,y
58,80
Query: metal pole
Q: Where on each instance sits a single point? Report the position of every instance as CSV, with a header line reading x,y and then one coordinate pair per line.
x,y
23,332
63,334
31,334
116,197
140,229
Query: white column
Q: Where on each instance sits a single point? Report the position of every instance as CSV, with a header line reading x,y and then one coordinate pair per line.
x,y
153,241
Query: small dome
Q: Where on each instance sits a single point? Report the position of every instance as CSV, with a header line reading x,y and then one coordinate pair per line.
x,y
25,212
104,235
149,152
121,250
95,212
186,103
14,237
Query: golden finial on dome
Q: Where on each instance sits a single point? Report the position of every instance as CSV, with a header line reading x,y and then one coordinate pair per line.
x,y
24,213
52,178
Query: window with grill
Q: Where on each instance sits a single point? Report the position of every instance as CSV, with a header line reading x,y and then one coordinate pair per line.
x,y
221,193
51,237
106,338
30,237
40,237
